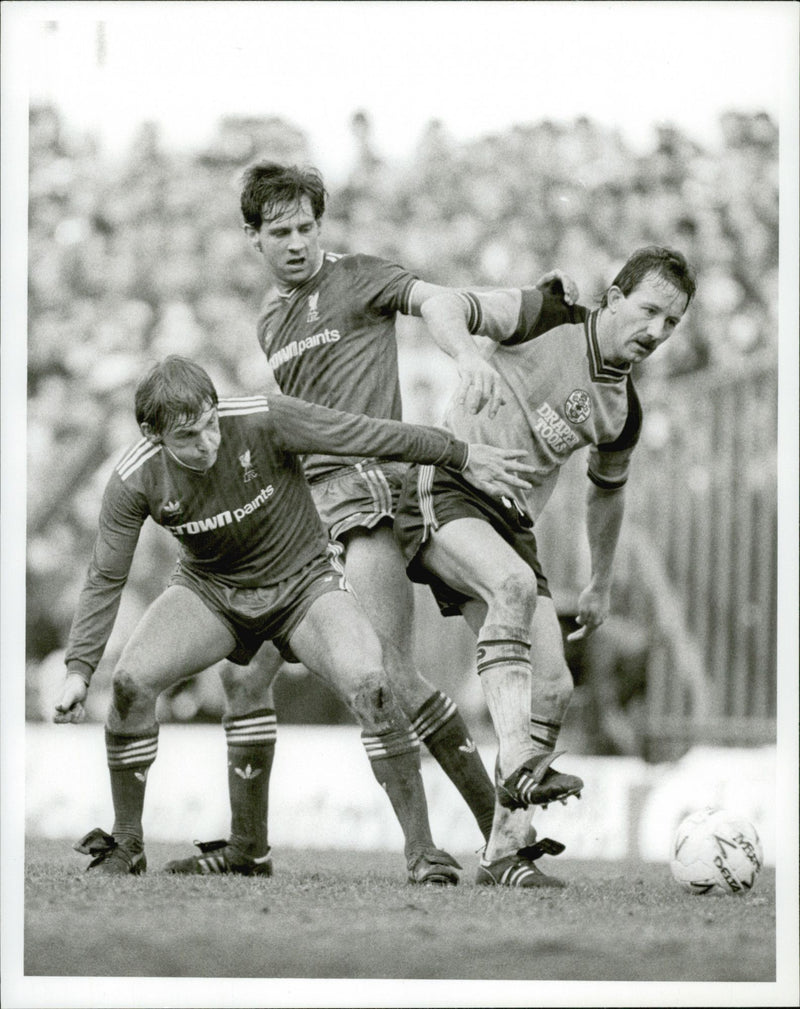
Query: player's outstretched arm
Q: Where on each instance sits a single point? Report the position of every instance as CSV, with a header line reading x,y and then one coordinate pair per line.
x,y
73,694
498,471
604,513
446,315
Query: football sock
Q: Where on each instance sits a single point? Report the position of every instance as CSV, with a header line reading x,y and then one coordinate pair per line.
x,y
251,748
129,758
439,725
505,671
394,758
544,733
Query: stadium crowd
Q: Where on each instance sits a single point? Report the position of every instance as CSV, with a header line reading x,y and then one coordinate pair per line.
x,y
136,257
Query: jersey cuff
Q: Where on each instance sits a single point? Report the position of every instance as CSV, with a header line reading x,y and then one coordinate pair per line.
x,y
604,484
80,668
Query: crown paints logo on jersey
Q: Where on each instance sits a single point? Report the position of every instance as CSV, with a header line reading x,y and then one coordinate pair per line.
x,y
313,312
578,406
247,466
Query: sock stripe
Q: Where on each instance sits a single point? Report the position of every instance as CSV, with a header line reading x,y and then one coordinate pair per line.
x,y
251,731
497,642
124,751
502,660
390,744
545,734
434,713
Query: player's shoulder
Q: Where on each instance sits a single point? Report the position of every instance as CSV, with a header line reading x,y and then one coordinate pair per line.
x,y
135,459
233,408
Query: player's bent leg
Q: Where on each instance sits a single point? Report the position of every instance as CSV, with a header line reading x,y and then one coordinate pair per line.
x,y
177,637
471,557
336,641
376,572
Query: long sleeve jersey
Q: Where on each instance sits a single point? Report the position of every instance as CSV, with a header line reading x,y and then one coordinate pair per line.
x,y
332,340
247,521
560,394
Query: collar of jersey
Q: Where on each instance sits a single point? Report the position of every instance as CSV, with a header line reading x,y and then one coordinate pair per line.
x,y
288,295
601,370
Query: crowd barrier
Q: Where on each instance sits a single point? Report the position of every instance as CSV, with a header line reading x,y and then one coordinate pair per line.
x,y
323,794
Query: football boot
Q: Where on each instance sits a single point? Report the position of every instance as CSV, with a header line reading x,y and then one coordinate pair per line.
x,y
113,858
432,867
536,783
519,870
218,858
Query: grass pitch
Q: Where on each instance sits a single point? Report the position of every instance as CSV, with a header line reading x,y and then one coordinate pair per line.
x,y
334,914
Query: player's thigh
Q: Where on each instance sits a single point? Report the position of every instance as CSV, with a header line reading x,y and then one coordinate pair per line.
x,y
472,558
376,572
336,640
177,637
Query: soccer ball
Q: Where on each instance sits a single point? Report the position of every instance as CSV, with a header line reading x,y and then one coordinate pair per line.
x,y
716,850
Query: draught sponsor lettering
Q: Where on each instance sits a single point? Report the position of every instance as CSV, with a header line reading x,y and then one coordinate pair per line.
x,y
298,347
555,431
225,518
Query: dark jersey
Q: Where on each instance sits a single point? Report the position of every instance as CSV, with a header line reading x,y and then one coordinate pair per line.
x,y
247,521
332,340
560,394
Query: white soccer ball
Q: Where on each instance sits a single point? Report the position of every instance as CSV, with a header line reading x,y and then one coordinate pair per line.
x,y
716,851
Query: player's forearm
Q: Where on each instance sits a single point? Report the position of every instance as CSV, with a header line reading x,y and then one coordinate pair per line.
x,y
447,317
92,623
605,510
303,427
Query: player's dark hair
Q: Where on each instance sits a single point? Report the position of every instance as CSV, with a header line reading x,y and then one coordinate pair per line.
x,y
669,265
268,188
175,391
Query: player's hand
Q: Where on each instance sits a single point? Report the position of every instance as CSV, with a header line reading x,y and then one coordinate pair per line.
x,y
551,281
70,706
498,471
593,608
479,385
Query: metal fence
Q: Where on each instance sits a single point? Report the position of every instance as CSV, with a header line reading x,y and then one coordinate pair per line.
x,y
697,563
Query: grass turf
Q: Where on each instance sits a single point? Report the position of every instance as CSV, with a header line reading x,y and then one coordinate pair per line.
x,y
335,914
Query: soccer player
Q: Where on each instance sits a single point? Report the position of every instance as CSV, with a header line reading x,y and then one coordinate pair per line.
x,y
328,332
224,478
564,389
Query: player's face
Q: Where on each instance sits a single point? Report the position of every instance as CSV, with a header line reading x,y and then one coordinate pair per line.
x,y
644,319
195,444
290,244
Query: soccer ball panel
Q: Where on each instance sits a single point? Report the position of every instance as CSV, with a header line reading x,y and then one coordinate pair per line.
x,y
716,851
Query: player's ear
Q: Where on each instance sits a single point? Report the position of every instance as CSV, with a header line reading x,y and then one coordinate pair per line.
x,y
254,235
613,297
149,433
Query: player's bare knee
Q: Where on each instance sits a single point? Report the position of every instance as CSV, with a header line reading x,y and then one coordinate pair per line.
x,y
129,698
514,597
374,704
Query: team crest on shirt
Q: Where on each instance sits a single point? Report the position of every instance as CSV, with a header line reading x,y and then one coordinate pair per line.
x,y
247,466
313,312
577,406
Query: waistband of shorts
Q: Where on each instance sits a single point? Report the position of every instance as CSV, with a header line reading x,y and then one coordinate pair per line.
x,y
359,467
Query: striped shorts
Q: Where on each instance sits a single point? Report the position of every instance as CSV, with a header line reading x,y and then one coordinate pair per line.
x,y
431,498
364,495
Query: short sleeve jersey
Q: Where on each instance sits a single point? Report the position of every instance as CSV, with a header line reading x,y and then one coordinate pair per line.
x,y
560,394
332,340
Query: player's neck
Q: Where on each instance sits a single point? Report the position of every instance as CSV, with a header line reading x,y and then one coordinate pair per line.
x,y
285,290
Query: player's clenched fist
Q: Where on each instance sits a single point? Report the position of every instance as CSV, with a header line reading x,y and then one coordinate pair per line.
x,y
70,707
